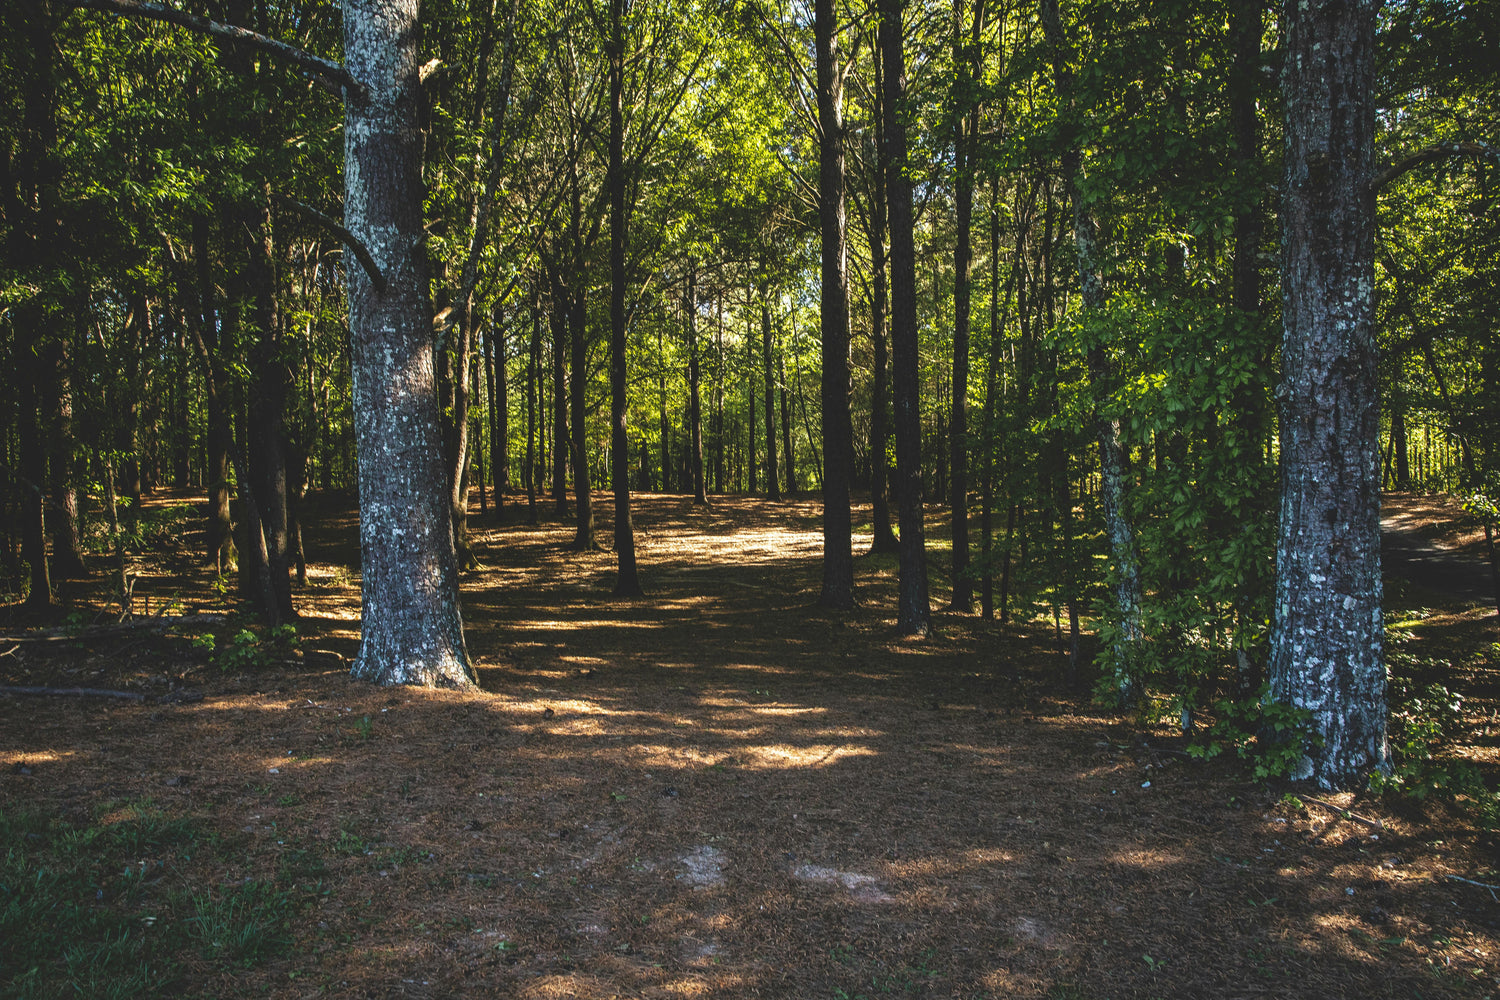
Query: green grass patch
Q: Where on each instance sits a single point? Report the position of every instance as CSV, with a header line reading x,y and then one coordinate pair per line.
x,y
98,908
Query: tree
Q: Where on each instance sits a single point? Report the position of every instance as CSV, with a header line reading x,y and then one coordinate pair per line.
x,y
838,555
1328,637
913,612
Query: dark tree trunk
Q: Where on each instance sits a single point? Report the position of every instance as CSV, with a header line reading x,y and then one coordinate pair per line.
x,y
965,125
583,537
786,426
559,399
499,389
913,612
266,437
218,438
718,411
749,370
773,475
838,446
412,627
695,407
531,471
67,549
627,582
880,471
1327,636
663,427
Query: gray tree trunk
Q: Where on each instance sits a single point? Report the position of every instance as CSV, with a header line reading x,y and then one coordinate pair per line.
x,y
627,582
412,627
1327,635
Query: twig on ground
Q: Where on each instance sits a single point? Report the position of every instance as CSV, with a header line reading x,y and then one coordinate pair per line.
x,y
1342,813
1482,885
11,650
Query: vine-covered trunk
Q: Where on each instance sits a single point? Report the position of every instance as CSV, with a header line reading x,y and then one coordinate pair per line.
x,y
1327,635
412,627
838,444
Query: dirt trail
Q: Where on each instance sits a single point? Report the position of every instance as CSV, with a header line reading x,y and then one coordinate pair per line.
x,y
1431,542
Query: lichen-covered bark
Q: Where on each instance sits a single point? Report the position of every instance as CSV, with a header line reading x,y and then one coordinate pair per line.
x,y
412,629
1327,636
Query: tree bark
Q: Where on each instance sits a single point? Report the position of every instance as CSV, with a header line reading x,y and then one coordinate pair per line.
x,y
913,612
884,540
1327,636
412,626
218,437
838,556
786,426
965,125
695,405
531,470
773,473
627,582
559,397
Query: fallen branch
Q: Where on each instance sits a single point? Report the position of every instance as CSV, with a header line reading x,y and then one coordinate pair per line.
x,y
1482,885
1342,813
11,650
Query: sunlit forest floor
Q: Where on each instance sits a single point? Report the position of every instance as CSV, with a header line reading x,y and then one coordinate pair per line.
x,y
718,791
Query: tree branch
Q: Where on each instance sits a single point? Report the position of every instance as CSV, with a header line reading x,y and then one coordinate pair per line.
x,y
1439,151
349,239
327,74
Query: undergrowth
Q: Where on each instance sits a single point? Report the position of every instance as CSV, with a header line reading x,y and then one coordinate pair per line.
x,y
107,908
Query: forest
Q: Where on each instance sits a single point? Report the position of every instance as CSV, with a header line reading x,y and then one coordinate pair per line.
x,y
1062,360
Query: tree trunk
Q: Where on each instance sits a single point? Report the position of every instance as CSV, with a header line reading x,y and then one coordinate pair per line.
x,y
499,389
880,470
838,556
627,582
583,537
531,471
559,398
1127,576
412,627
695,407
1327,636
965,125
913,613
773,474
786,426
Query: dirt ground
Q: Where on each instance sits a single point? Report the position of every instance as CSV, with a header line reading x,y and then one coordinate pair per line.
x,y
722,792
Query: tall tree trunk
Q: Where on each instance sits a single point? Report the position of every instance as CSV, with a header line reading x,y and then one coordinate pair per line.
x,y
1127,575
880,470
838,446
531,471
411,623
718,410
583,537
559,398
913,613
499,390
695,407
773,474
749,370
67,549
218,438
965,125
786,426
627,582
1327,635
266,437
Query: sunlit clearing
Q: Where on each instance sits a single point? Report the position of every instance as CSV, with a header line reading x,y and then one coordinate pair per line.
x,y
1147,859
958,861
17,758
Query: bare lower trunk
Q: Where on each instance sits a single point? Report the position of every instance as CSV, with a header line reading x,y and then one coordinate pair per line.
x,y
412,628
695,406
1327,636
627,582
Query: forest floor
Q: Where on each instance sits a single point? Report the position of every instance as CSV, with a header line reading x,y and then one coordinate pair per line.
x,y
718,791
